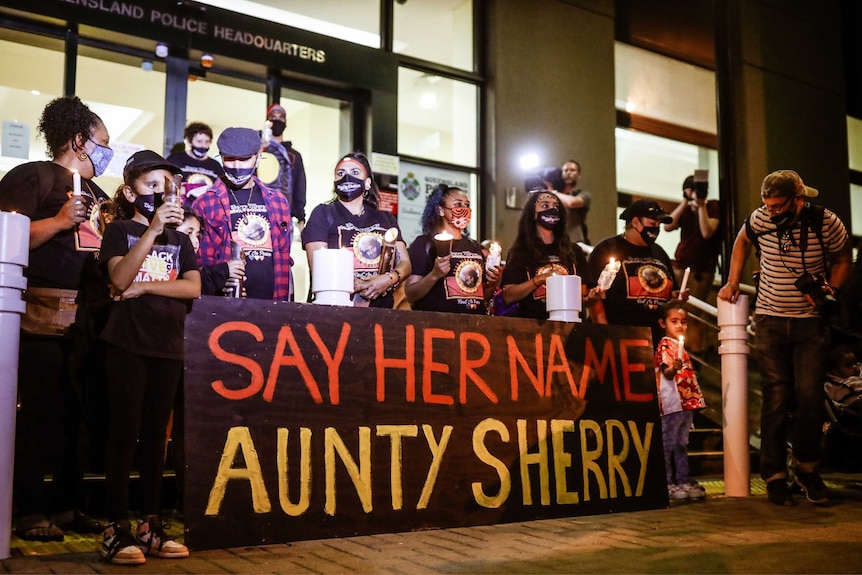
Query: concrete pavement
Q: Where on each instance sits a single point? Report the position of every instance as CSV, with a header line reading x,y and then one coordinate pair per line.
x,y
717,535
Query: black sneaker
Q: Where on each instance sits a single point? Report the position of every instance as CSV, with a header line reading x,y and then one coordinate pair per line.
x,y
815,490
779,492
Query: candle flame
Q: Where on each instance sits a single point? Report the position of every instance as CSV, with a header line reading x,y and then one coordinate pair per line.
x,y
391,235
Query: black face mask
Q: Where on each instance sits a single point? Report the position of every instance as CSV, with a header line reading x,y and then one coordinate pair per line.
x,y
349,187
649,234
549,218
277,127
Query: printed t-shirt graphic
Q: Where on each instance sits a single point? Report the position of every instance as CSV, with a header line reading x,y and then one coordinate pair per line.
x,y
88,234
366,244
161,264
250,228
646,282
465,278
554,267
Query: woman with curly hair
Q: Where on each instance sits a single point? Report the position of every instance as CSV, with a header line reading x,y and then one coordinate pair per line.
x,y
456,281
64,228
352,221
542,249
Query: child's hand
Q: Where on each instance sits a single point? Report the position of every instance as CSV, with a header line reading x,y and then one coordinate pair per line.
x,y
677,364
168,213
137,289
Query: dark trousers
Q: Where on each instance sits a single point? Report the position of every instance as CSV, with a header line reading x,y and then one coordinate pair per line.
x,y
141,394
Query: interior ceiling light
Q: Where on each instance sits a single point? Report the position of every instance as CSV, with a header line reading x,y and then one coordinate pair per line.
x,y
206,61
147,65
35,92
161,50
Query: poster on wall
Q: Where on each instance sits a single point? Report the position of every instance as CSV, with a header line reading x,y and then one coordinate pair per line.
x,y
386,175
415,184
306,421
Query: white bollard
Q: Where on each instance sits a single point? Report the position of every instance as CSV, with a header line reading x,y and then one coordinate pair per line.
x,y
14,254
732,322
563,300
332,277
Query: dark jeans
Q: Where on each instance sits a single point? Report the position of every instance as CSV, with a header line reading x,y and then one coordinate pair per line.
x,y
141,394
674,433
791,356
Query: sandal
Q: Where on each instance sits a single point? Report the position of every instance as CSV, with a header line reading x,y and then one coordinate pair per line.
x,y
39,529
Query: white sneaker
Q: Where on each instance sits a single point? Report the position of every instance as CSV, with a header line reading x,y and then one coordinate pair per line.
x,y
676,492
152,540
694,489
119,547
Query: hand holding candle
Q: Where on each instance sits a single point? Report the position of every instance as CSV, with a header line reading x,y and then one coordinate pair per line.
x,y
680,350
493,260
76,184
444,244
684,282
387,251
609,273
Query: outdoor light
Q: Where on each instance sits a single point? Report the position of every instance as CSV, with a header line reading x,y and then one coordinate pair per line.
x,y
529,162
206,61
161,50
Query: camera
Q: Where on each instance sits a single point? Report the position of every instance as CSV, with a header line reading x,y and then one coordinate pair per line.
x,y
701,184
818,292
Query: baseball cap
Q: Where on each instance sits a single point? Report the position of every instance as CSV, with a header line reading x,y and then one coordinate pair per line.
x,y
273,107
688,184
646,209
147,160
785,183
238,143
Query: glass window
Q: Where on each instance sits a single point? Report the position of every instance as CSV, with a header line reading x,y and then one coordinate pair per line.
x,y
652,166
854,142
437,118
130,99
357,21
652,85
31,77
436,30
855,223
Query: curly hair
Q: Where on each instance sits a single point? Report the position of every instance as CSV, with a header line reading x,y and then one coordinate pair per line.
x,y
431,220
196,128
527,243
65,119
372,196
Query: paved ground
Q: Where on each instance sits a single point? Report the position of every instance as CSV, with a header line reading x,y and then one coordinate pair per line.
x,y
718,535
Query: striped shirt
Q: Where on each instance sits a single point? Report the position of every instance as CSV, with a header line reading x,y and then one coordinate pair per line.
x,y
782,262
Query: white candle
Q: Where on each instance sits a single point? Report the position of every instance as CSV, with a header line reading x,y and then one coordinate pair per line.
x,y
684,281
680,348
493,260
76,183
608,274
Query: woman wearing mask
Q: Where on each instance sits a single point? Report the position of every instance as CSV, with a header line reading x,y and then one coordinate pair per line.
x,y
65,227
456,281
352,221
542,249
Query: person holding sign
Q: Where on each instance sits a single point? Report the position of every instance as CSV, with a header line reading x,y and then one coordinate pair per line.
x,y
456,281
699,245
66,225
679,397
542,249
351,221
154,276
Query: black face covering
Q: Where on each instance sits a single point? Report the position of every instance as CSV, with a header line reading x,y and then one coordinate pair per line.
x,y
549,218
277,127
349,187
649,234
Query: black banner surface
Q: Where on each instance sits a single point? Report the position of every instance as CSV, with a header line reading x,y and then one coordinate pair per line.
x,y
307,421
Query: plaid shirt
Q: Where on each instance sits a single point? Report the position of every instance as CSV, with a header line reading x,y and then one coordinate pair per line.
x,y
213,210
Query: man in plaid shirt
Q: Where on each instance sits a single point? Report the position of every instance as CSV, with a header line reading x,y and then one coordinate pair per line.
x,y
240,209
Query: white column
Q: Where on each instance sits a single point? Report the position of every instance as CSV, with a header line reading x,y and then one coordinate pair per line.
x,y
14,253
732,322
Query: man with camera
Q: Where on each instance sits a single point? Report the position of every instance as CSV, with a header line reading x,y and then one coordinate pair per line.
x,y
793,239
699,246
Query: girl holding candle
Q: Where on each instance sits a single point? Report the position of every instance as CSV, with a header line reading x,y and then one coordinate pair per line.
x,y
679,397
542,249
352,221
456,281
64,229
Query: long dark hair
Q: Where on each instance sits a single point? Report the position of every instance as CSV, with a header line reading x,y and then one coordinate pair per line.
x,y
432,221
372,196
528,245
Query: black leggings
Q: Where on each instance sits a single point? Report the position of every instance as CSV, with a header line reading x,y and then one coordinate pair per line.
x,y
141,394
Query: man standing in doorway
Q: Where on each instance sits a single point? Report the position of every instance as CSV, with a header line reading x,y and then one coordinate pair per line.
x,y
576,201
240,209
199,170
281,167
797,243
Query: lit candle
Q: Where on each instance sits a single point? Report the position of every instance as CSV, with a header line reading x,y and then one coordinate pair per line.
x,y
76,183
680,348
387,251
266,133
493,260
684,281
608,274
444,244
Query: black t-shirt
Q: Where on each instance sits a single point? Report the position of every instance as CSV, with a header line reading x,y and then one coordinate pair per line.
x,y
645,281
363,235
38,190
249,226
198,174
150,325
461,290
522,267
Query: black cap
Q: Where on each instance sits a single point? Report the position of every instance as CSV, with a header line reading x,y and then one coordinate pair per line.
x,y
688,184
147,160
238,143
646,209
